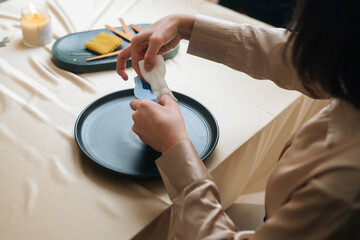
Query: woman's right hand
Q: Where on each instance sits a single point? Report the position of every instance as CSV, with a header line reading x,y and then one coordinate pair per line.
x,y
160,125
158,38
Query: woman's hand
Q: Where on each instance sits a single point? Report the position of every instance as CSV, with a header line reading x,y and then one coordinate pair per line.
x,y
158,38
160,125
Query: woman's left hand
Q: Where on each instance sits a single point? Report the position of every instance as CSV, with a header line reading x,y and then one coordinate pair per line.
x,y
160,125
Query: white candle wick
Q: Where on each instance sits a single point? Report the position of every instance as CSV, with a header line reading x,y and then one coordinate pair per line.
x,y
33,9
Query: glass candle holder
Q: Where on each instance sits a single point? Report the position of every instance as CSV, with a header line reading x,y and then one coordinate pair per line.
x,y
36,25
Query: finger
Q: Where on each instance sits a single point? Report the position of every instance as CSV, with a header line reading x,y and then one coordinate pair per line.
x,y
135,130
134,104
144,140
169,46
166,100
135,58
123,56
150,56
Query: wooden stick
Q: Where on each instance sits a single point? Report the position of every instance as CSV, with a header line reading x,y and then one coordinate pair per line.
x,y
136,28
126,29
120,33
104,55
127,35
78,54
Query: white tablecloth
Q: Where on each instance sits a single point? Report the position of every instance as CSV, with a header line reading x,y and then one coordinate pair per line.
x,y
49,191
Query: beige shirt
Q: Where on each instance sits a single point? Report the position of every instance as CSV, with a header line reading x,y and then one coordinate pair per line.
x,y
313,192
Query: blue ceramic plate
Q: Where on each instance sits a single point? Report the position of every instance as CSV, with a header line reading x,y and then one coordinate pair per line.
x,y
103,133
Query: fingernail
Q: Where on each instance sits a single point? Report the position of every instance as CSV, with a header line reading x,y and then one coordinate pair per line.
x,y
148,66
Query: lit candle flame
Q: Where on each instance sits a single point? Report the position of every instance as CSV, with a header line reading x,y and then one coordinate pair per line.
x,y
32,8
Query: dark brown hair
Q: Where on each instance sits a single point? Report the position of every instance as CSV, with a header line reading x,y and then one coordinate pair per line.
x,y
325,37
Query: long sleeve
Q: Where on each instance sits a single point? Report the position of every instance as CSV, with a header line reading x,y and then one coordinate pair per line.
x,y
197,211
316,210
256,51
312,193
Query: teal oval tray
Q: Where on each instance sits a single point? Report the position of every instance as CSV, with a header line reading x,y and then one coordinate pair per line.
x,y
74,44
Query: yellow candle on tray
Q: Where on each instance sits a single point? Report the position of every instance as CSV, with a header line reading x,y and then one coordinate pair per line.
x,y
36,25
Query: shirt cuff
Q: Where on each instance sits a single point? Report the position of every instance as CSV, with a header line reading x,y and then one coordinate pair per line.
x,y
210,38
180,166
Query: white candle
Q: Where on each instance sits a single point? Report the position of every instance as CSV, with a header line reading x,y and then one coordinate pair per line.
x,y
36,25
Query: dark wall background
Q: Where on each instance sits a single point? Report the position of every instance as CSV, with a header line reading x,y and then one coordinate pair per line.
x,y
275,12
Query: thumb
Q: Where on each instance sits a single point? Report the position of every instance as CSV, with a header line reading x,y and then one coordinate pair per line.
x,y
166,100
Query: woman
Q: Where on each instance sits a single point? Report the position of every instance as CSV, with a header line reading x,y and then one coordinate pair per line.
x,y
314,191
